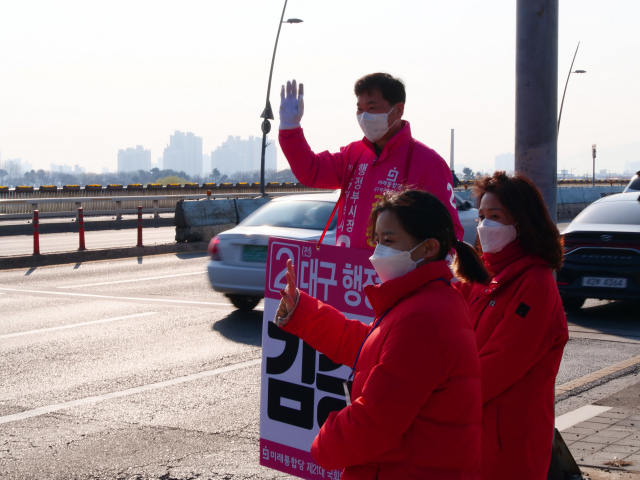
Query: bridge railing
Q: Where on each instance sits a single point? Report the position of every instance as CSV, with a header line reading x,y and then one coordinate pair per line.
x,y
22,208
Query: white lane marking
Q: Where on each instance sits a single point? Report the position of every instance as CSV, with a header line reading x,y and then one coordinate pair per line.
x,y
123,393
133,280
73,325
581,414
112,297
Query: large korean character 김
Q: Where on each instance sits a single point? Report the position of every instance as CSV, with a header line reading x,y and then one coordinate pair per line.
x,y
293,403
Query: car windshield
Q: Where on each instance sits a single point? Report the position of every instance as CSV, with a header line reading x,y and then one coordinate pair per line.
x,y
621,213
635,183
298,214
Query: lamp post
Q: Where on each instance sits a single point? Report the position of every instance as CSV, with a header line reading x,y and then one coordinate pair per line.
x,y
567,83
267,113
593,155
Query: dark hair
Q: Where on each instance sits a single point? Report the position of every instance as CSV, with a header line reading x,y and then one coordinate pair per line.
x,y
522,199
391,88
423,216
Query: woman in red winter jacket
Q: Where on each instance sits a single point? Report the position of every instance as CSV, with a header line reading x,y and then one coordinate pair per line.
x,y
520,327
415,399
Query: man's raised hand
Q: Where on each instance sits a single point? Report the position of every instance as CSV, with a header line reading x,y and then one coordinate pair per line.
x,y
291,106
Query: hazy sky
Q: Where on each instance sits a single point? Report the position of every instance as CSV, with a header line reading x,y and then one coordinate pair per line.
x,y
81,79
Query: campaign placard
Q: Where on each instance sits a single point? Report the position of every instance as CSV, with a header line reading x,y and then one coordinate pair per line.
x,y
300,386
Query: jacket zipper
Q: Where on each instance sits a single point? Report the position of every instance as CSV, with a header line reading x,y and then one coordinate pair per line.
x,y
481,311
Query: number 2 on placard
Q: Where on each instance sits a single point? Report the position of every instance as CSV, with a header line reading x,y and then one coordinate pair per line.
x,y
277,282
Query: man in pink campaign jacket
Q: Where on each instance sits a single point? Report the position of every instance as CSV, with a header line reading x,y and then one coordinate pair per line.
x,y
385,159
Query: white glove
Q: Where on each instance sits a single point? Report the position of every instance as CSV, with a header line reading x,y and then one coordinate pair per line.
x,y
291,107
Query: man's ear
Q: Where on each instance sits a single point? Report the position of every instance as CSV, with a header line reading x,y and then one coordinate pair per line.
x,y
432,249
400,107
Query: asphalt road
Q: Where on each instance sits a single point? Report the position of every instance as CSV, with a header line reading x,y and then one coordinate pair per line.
x,y
119,328
66,242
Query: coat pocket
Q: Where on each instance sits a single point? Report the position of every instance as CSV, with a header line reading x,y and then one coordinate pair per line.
x,y
513,427
490,438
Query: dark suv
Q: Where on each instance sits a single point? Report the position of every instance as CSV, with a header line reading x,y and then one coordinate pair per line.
x,y
602,252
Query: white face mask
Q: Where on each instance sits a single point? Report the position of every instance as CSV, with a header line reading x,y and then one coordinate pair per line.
x,y
494,236
391,263
375,125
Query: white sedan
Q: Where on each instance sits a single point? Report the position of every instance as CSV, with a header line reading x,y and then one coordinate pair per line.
x,y
634,184
238,256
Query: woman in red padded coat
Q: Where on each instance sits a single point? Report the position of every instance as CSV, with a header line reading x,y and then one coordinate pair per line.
x,y
520,327
415,407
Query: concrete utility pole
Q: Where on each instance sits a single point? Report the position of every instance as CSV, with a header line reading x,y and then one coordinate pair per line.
x,y
537,96
451,161
537,129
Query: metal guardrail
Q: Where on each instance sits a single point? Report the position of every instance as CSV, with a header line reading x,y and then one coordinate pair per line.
x,y
16,209
11,193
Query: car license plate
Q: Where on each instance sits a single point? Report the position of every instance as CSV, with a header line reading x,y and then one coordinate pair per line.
x,y
604,282
254,253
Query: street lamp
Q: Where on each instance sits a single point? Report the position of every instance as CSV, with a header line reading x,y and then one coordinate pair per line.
x,y
267,113
567,83
593,155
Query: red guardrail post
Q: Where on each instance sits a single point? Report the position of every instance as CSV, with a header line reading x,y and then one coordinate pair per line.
x,y
36,233
81,228
139,227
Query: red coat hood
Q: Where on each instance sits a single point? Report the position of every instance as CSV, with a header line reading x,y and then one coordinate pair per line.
x,y
507,264
385,295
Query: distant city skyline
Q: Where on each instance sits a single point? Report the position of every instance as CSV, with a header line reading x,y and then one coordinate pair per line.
x,y
15,165
623,159
183,153
66,168
237,155
505,162
134,159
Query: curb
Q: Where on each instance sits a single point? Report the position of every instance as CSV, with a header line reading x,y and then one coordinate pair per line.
x,y
27,261
592,380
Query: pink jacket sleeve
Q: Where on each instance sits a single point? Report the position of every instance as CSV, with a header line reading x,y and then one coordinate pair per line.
x,y
322,170
523,336
391,398
439,181
327,330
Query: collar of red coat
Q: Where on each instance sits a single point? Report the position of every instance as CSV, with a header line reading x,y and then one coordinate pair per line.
x,y
401,138
383,296
508,263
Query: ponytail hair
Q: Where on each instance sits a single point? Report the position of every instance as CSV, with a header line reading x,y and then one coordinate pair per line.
x,y
424,216
468,266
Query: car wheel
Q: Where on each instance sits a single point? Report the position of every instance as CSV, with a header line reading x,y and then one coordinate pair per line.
x,y
244,302
573,304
